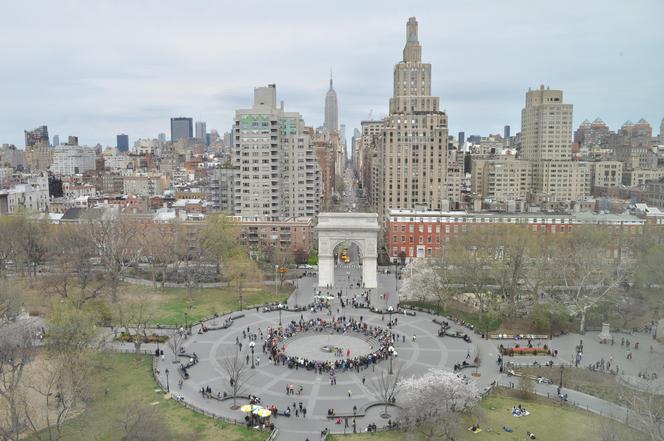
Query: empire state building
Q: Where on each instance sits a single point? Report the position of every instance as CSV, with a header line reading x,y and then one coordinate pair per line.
x,y
331,110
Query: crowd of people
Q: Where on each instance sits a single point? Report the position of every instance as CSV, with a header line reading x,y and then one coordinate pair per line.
x,y
276,348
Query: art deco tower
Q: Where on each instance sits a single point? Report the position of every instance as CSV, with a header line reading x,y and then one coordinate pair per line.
x,y
412,150
331,109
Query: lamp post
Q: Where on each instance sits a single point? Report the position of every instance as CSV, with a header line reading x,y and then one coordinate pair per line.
x,y
168,387
390,309
251,345
562,367
186,328
280,307
391,351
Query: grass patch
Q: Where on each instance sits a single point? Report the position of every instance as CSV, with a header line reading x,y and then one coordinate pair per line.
x,y
169,305
547,420
597,384
489,322
129,380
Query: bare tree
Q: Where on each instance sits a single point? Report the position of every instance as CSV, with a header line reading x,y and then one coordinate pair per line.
x,y
647,411
238,374
31,239
10,302
63,385
589,271
116,244
62,388
135,318
155,240
16,352
9,246
141,422
512,263
473,257
71,251
239,270
385,388
175,341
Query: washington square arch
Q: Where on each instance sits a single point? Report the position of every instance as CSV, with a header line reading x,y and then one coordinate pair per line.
x,y
358,228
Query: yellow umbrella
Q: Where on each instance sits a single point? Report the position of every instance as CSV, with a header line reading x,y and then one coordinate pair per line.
x,y
247,408
261,412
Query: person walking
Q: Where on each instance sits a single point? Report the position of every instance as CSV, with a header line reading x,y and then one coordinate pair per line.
x,y
350,393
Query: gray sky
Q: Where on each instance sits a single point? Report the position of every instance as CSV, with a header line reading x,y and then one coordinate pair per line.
x,y
97,68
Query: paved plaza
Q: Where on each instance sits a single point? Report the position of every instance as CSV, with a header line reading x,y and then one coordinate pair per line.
x,y
321,346
418,348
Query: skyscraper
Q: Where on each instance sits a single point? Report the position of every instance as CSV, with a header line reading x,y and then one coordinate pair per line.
x,y
201,130
56,140
182,128
546,126
506,132
412,151
462,138
331,109
546,140
276,171
122,142
36,136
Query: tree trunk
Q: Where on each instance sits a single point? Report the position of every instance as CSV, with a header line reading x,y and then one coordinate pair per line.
x,y
582,326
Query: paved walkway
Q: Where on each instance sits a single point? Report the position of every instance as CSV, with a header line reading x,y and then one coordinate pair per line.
x,y
415,357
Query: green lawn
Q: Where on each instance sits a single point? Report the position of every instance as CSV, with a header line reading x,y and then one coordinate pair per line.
x,y
549,421
489,322
171,304
129,380
168,306
598,384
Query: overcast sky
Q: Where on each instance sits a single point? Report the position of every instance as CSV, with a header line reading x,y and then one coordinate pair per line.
x,y
97,68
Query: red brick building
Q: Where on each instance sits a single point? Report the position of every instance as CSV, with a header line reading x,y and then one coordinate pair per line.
x,y
411,233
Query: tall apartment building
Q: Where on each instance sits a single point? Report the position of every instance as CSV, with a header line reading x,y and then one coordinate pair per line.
x,y
412,152
11,156
72,160
546,126
277,175
546,141
201,132
595,134
36,136
371,170
220,189
632,145
182,128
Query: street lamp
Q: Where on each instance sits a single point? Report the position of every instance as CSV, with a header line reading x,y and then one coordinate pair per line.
x,y
280,306
185,322
391,351
390,309
168,387
561,375
251,345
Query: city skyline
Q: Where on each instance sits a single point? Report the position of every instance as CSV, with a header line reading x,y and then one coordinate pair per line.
x,y
96,84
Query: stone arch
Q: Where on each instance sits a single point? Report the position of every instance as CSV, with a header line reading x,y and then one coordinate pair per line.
x,y
360,228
